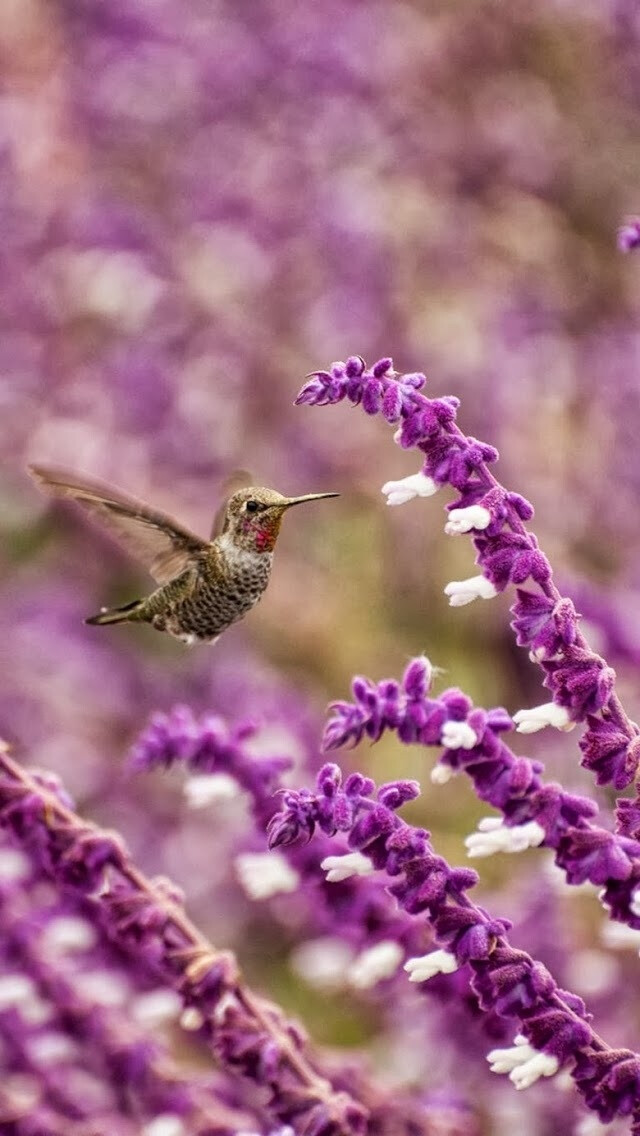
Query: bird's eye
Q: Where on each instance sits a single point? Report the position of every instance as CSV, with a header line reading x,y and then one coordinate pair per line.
x,y
252,506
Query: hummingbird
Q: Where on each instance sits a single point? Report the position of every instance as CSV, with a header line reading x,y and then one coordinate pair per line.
x,y
204,585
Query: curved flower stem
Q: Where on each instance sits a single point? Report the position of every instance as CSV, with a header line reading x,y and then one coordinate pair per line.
x,y
246,1033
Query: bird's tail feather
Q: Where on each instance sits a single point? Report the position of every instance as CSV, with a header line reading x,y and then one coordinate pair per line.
x,y
115,614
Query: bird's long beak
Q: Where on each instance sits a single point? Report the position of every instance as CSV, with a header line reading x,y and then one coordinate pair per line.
x,y
307,497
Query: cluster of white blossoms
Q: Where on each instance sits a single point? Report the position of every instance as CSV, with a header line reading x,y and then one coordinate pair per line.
x,y
462,592
342,867
263,874
205,789
417,485
458,735
494,835
424,967
375,964
167,1124
464,520
537,717
524,1064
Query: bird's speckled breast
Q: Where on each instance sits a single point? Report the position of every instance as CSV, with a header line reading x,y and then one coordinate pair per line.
x,y
227,584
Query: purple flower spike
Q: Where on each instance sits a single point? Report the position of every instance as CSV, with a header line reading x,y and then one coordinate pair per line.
x,y
382,368
545,622
372,396
533,812
209,746
554,1023
354,367
247,1035
416,679
607,751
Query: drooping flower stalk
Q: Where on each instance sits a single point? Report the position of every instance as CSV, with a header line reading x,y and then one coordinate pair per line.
x,y
247,1034
545,622
554,1028
535,812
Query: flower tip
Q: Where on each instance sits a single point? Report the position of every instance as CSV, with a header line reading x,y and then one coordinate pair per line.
x,y
340,868
537,717
462,592
375,964
440,774
464,520
416,485
424,967
264,874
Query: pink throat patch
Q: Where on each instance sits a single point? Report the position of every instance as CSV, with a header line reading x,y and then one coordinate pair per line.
x,y
263,532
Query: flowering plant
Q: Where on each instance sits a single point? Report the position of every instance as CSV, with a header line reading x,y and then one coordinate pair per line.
x,y
389,908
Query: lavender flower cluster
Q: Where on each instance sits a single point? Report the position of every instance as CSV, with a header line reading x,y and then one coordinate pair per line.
x,y
387,908
545,622
583,688
173,251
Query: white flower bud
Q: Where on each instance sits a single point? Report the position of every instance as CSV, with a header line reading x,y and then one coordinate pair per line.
x,y
461,592
206,788
342,867
463,520
167,1124
591,1126
635,902
191,1019
323,963
263,874
537,717
104,987
425,966
497,837
524,1064
68,933
14,865
15,990
49,1048
416,485
156,1007
458,735
377,962
441,773
620,937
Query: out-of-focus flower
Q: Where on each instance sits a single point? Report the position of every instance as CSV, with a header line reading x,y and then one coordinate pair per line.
x,y
629,235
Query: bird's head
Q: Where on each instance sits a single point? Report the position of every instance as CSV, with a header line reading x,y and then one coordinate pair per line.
x,y
254,514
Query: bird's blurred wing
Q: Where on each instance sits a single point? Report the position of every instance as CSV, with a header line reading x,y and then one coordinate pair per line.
x,y
162,545
239,479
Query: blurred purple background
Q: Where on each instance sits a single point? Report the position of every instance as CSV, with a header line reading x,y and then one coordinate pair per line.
x,y
202,201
